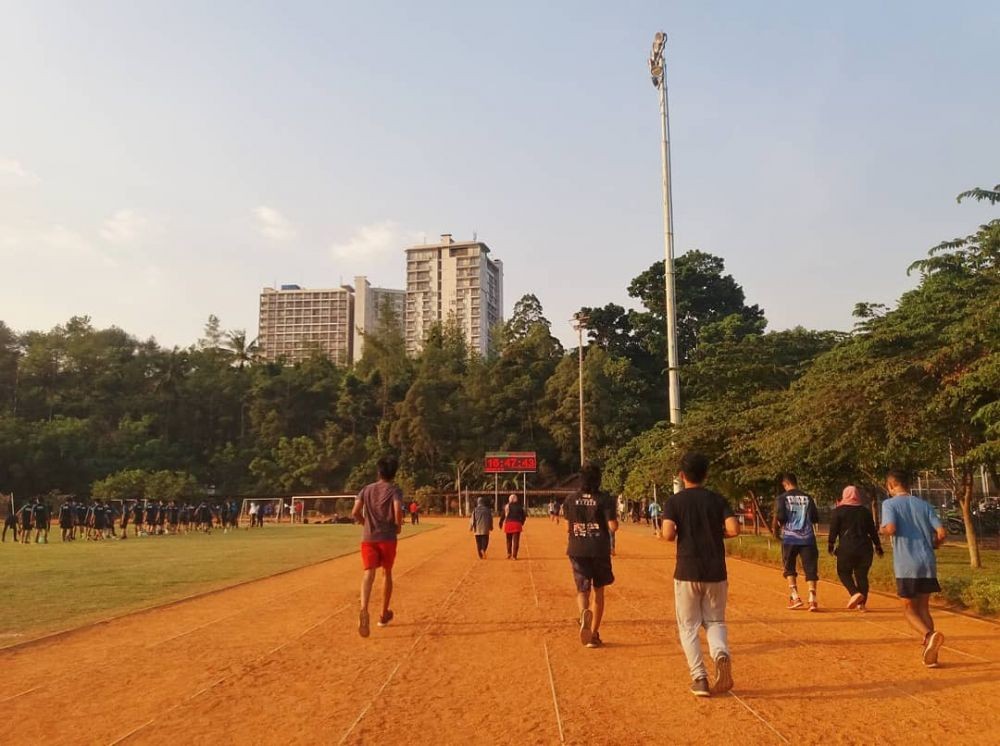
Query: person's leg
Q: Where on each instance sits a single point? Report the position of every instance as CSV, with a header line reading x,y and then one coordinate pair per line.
x,y
924,610
598,608
845,571
713,609
517,543
386,590
810,568
510,544
687,607
789,552
861,568
911,612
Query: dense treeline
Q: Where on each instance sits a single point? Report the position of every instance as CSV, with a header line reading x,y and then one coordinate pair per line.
x,y
910,385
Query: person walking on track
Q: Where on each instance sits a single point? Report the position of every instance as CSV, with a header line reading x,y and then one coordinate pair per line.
x,y
795,517
699,520
481,524
656,516
853,540
916,532
591,519
379,507
512,523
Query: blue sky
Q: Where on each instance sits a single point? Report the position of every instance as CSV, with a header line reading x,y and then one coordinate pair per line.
x,y
163,161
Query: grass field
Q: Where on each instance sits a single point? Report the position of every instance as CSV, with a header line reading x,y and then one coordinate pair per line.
x,y
58,586
961,584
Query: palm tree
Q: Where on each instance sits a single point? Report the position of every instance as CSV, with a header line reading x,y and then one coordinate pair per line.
x,y
243,353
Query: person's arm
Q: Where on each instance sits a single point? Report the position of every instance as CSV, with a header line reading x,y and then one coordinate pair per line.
x,y
669,528
397,509
873,533
813,514
940,534
357,514
888,527
780,516
732,527
834,532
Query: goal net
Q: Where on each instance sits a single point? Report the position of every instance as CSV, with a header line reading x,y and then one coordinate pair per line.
x,y
264,509
322,508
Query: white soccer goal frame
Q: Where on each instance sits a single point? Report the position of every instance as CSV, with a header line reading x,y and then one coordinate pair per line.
x,y
306,499
245,505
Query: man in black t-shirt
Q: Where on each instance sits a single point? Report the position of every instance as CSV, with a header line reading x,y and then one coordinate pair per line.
x,y
699,520
590,519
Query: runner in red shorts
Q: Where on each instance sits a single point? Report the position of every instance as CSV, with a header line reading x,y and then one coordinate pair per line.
x,y
379,507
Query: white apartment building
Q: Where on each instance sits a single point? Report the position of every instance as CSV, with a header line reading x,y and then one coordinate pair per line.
x,y
296,323
370,304
453,281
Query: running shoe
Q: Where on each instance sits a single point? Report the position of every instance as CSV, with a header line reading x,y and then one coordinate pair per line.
x,y
813,605
861,608
699,688
723,674
363,624
934,642
384,619
795,602
856,600
595,641
586,618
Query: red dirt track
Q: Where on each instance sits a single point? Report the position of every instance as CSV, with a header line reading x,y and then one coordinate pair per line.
x,y
487,652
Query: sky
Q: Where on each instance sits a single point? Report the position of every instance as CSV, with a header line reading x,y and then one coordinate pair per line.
x,y
163,161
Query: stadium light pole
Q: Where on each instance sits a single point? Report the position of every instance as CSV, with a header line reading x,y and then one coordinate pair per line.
x,y
658,71
580,323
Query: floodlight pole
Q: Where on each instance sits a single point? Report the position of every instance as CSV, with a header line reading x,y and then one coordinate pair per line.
x,y
579,322
658,71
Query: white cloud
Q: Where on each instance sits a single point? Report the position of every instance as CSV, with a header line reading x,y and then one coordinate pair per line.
x,y
272,224
373,241
11,171
54,243
123,227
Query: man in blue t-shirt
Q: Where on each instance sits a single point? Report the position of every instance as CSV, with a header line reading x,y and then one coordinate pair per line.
x,y
916,532
795,517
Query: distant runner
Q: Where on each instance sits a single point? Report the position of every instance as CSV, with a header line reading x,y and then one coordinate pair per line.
x,y
852,530
480,524
379,507
916,532
512,523
795,517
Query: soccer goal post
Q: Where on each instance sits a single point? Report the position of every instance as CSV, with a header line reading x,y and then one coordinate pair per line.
x,y
268,509
322,508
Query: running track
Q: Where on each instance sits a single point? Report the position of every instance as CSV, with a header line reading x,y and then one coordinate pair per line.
x,y
486,652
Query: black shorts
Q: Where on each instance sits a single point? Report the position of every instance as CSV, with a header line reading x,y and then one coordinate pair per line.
x,y
810,560
913,587
65,525
591,571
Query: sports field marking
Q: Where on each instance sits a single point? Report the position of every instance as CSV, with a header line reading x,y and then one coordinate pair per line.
x,y
757,715
392,674
531,572
552,686
21,694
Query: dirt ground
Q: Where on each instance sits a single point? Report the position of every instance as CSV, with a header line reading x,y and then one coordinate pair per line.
x,y
487,652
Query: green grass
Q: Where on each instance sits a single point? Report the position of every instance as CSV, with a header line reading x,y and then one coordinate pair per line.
x,y
961,584
59,586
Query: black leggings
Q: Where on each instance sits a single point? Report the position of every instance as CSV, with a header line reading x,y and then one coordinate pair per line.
x,y
513,544
852,569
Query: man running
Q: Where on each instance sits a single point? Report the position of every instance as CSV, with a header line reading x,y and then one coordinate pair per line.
x,y
379,507
916,532
66,511
699,520
591,519
795,517
480,524
655,516
26,512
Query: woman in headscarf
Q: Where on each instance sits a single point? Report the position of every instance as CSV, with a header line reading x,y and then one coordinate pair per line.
x,y
480,524
512,523
853,538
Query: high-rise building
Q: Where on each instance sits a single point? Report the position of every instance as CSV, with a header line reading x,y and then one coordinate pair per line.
x,y
370,305
296,323
453,282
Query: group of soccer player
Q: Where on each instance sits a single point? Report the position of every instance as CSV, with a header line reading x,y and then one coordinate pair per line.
x,y
699,521
100,520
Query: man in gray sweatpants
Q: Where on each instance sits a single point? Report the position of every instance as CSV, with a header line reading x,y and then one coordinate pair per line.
x,y
699,520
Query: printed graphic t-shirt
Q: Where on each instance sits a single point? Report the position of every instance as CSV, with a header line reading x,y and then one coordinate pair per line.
x,y
587,519
796,513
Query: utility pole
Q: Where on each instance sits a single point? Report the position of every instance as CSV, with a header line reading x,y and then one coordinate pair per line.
x,y
580,323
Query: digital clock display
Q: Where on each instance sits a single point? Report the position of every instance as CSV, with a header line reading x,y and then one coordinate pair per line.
x,y
504,463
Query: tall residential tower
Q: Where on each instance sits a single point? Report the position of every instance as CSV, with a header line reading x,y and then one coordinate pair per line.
x,y
453,282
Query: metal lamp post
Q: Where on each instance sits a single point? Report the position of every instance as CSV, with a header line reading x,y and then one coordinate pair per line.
x,y
658,71
580,323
